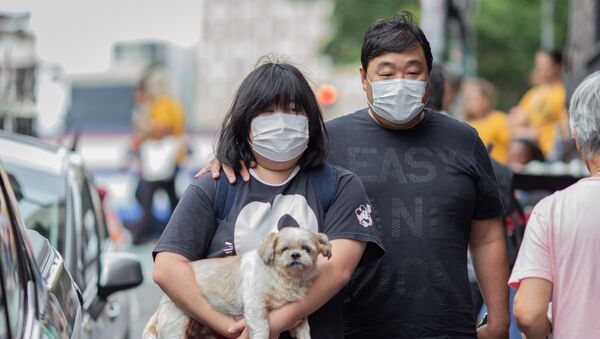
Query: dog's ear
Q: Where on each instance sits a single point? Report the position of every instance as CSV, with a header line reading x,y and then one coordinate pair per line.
x,y
266,250
324,245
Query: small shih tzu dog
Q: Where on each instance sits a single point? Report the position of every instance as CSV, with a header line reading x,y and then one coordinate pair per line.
x,y
280,271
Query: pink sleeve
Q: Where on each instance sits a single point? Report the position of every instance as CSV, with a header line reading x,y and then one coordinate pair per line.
x,y
534,259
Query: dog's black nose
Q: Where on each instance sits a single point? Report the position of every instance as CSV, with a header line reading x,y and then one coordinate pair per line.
x,y
295,255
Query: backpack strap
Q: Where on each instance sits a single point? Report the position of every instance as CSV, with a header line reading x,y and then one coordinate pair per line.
x,y
324,184
224,196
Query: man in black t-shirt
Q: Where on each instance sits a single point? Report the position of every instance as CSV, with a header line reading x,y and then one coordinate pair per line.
x,y
433,192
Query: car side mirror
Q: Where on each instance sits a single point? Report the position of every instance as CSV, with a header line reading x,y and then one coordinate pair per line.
x,y
120,271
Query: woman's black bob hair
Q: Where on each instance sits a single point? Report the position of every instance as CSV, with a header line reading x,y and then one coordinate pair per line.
x,y
272,84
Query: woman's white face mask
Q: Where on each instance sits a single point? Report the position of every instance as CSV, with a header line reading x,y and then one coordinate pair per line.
x,y
279,136
398,101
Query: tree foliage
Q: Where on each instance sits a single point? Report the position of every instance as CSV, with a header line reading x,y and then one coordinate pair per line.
x,y
351,18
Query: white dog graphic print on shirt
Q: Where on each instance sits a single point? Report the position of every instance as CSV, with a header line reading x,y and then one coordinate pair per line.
x,y
257,219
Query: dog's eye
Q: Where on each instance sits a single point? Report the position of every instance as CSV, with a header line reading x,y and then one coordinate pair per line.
x,y
284,249
306,248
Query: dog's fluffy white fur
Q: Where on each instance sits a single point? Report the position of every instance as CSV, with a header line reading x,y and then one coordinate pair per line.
x,y
278,272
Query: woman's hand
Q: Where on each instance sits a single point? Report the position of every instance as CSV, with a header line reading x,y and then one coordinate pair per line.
x,y
214,167
280,320
176,278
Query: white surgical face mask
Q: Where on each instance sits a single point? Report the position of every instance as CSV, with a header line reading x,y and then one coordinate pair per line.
x,y
399,100
279,136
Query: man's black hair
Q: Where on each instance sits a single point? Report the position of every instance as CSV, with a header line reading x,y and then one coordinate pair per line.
x,y
270,84
396,34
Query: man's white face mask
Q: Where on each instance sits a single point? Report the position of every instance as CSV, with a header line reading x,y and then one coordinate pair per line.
x,y
398,101
279,136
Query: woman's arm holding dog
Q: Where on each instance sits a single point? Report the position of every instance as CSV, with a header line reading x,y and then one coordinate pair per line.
x,y
175,277
334,274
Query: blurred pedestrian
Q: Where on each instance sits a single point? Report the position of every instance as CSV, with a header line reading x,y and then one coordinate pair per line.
x,y
437,85
479,97
542,108
274,120
159,143
452,91
521,152
558,258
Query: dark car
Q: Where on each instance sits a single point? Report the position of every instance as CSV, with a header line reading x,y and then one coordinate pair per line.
x,y
38,298
59,200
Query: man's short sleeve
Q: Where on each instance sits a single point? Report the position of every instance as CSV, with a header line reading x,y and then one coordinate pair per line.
x,y
192,225
488,204
350,215
534,259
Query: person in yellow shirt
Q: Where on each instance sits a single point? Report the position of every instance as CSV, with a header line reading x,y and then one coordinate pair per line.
x,y
492,126
159,141
542,108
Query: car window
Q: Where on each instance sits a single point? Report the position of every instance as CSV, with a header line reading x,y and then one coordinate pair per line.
x,y
42,200
90,235
11,269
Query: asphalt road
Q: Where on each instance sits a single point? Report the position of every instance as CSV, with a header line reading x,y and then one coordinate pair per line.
x,y
145,297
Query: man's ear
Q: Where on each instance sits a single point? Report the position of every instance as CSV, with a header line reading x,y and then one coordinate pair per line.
x,y
324,245
266,250
425,98
363,79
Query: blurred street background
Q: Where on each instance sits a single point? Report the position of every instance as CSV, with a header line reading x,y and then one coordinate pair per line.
x,y
95,77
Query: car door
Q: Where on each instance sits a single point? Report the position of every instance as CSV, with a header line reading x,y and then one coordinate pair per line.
x,y
113,320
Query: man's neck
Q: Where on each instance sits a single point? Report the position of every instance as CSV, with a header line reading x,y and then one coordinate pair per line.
x,y
397,127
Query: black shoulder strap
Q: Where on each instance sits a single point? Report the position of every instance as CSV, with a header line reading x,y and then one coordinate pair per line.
x,y
324,184
224,196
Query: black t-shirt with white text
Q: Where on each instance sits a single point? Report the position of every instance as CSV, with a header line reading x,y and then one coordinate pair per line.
x,y
426,184
259,209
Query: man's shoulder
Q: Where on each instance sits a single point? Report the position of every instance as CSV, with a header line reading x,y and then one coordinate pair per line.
x,y
343,120
453,127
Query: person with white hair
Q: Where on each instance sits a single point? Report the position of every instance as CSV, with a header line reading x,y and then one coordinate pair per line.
x,y
558,259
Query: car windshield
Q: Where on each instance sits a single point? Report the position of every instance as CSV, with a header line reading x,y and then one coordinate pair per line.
x,y
42,199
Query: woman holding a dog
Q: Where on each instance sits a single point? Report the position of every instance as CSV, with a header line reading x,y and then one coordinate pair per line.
x,y
274,121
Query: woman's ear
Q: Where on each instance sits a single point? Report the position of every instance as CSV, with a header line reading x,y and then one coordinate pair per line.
x,y
266,250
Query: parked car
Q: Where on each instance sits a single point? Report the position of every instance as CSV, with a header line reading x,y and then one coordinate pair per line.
x,y
38,298
59,200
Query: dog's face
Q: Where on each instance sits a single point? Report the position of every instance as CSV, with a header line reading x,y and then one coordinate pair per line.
x,y
294,250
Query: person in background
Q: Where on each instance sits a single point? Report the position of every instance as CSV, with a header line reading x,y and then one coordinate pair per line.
x,y
521,152
558,257
437,84
478,101
452,91
159,144
541,110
